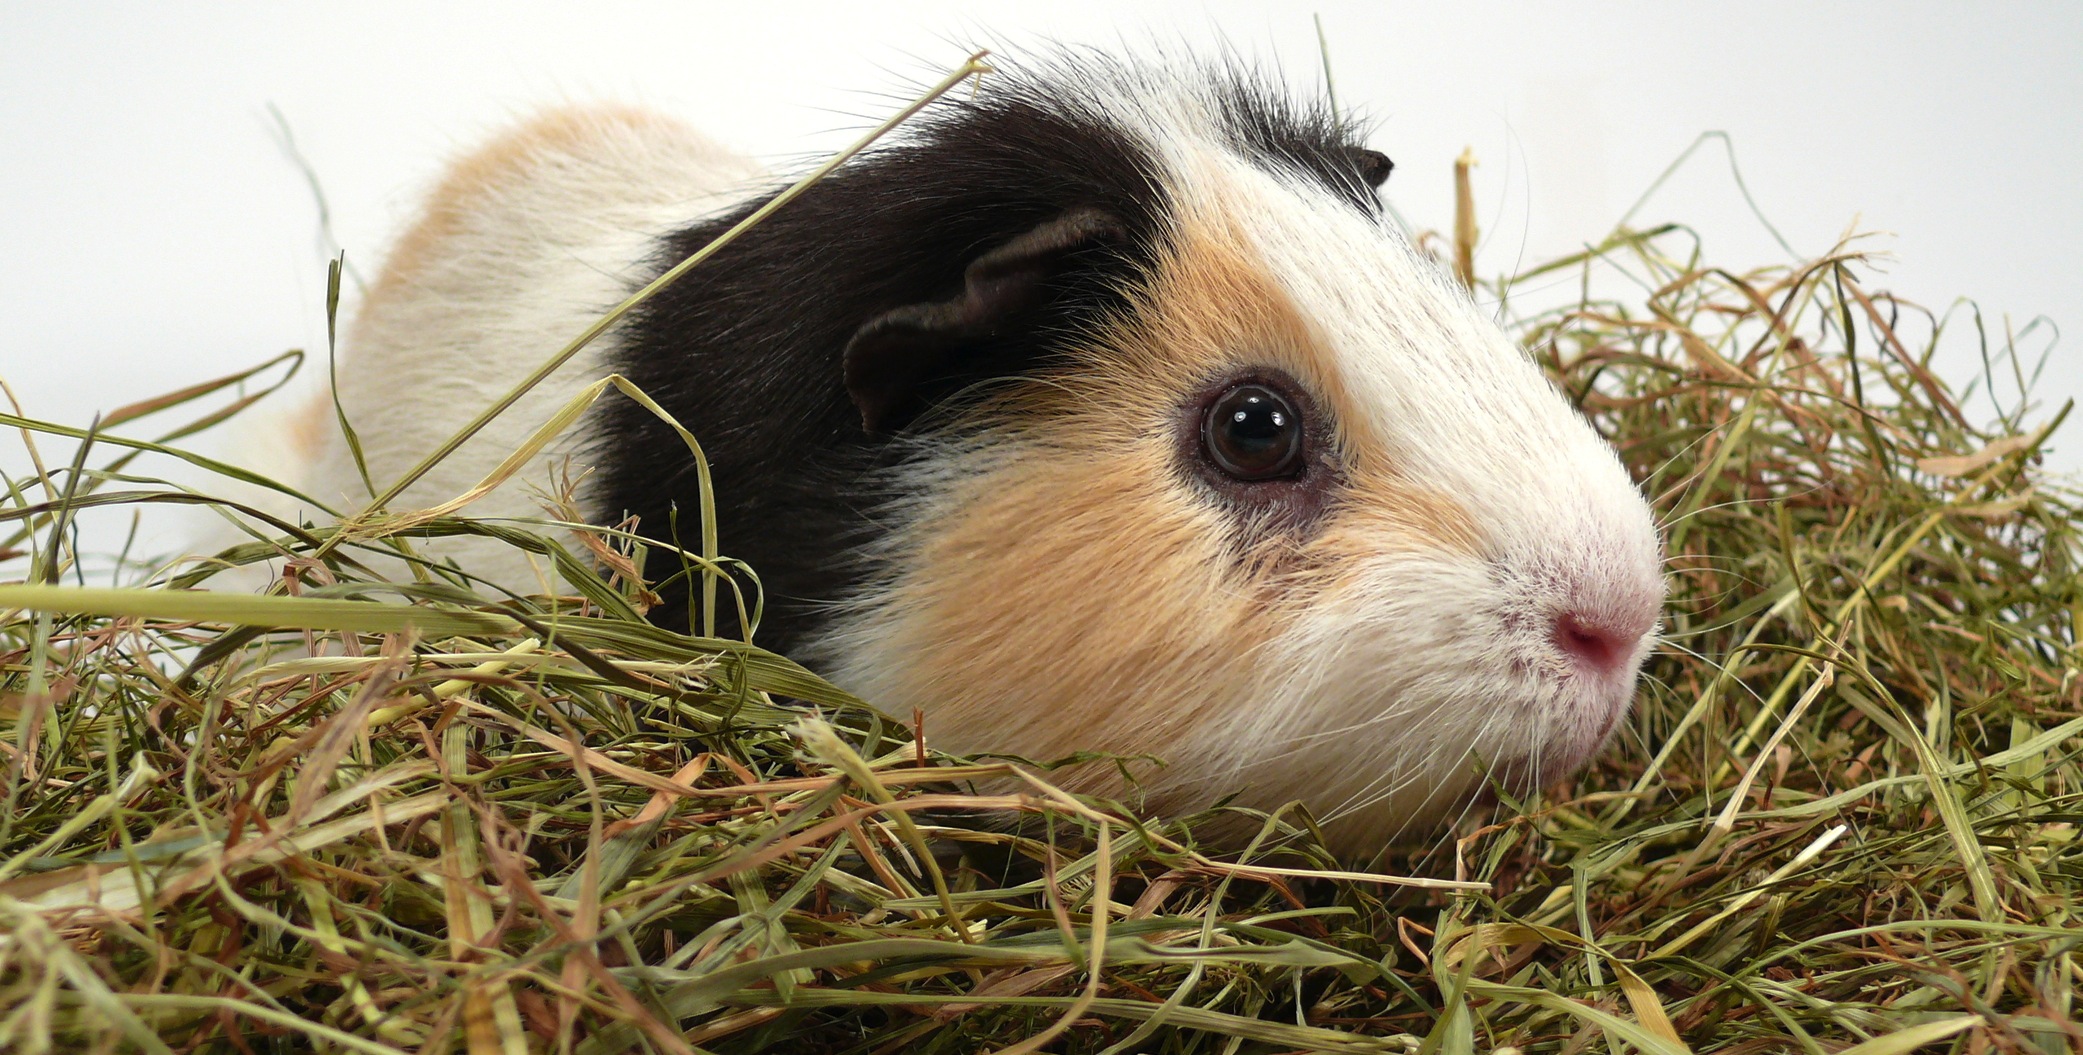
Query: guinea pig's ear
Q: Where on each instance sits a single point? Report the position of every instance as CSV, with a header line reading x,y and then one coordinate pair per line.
x,y
896,354
1374,165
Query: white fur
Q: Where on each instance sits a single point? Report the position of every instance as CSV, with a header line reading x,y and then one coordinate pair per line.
x,y
540,256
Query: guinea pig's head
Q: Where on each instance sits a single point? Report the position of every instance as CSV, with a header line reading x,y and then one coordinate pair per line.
x,y
1276,503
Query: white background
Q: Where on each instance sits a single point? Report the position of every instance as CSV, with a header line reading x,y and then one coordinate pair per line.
x,y
154,232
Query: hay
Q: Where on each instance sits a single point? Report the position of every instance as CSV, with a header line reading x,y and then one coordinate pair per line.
x,y
425,816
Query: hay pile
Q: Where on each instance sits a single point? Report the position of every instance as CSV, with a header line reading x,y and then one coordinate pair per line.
x,y
425,816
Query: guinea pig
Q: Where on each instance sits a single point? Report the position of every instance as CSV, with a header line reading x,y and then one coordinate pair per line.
x,y
1098,409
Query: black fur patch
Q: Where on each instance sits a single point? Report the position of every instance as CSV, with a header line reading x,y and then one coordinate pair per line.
x,y
746,350
1303,134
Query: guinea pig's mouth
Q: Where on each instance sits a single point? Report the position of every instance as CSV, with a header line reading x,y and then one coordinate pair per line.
x,y
1564,710
1572,721
1538,766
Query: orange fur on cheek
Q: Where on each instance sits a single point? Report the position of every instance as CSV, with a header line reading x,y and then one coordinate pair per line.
x,y
1071,603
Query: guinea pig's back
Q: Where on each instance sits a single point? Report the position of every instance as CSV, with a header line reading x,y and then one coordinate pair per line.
x,y
521,246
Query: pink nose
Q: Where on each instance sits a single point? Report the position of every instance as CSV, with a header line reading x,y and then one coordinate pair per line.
x,y
1595,645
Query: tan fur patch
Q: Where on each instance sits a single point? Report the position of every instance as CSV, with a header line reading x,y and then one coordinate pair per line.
x,y
1384,510
501,163
1073,606
309,426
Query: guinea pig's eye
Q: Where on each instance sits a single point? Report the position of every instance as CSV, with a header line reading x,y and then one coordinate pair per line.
x,y
1253,433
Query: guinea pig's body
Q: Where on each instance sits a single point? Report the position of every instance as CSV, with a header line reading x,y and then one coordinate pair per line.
x,y
1101,411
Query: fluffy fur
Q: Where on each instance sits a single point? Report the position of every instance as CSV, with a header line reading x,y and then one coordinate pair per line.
x,y
951,397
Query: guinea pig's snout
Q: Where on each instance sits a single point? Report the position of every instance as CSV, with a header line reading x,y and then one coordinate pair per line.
x,y
1601,614
1586,613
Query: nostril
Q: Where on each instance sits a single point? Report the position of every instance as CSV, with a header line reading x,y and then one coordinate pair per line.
x,y
1598,647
